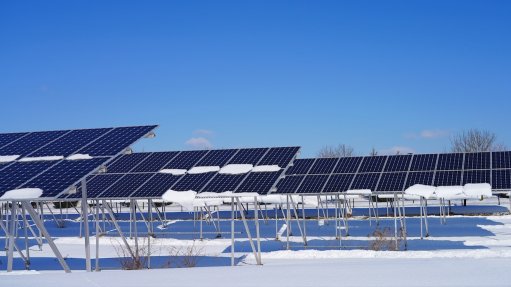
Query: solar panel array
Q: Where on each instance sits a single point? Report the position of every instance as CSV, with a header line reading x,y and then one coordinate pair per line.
x,y
34,169
139,175
397,172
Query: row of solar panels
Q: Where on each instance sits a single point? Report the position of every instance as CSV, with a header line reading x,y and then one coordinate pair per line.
x,y
395,163
500,179
56,176
138,175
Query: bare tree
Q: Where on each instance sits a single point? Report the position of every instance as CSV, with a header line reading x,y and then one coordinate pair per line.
x,y
341,150
475,140
373,152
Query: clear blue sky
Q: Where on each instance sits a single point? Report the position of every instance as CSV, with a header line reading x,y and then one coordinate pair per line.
x,y
380,74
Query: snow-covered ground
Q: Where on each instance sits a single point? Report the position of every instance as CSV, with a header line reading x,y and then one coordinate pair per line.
x,y
467,251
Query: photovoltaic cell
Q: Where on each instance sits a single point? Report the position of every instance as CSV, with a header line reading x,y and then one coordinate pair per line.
x,y
398,163
155,162
115,140
365,181
348,164
6,139
476,176
338,182
248,156
31,142
313,184
193,181
479,160
186,159
156,186
424,177
450,161
280,156
97,185
447,178
217,157
128,184
393,181
301,166
501,179
224,182
324,166
424,162
501,159
260,182
16,174
373,164
125,163
289,184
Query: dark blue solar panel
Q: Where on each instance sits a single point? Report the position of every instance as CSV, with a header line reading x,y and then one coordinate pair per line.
x,y
373,164
313,184
186,159
425,178
193,182
479,160
324,166
348,164
280,156
115,141
424,162
501,159
300,166
156,186
6,139
128,184
365,181
16,174
501,179
260,182
224,182
476,176
447,178
31,142
339,182
97,184
392,181
217,157
289,184
450,161
70,142
398,163
155,162
248,156
63,175
125,163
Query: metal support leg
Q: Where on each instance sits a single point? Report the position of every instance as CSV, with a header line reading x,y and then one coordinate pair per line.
x,y
97,236
232,231
85,215
119,230
256,252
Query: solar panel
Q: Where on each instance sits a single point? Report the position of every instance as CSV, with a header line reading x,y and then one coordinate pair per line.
x,y
477,176
450,161
424,177
348,164
155,162
501,159
217,157
31,142
126,163
373,164
393,181
280,156
501,179
323,166
6,139
115,141
338,182
156,186
424,162
128,184
365,181
16,174
97,184
398,163
186,159
248,156
479,160
289,184
224,182
260,182
193,181
301,166
313,183
447,178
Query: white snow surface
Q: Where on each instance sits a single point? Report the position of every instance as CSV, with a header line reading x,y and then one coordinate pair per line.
x,y
266,168
23,193
173,171
183,198
42,158
236,169
450,192
8,158
79,156
476,190
425,191
203,169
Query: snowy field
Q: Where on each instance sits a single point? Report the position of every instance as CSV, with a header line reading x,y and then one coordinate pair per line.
x,y
467,251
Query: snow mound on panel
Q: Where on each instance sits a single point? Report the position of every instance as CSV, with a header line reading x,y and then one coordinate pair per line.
x,y
477,190
450,192
79,156
425,191
236,169
203,169
42,158
173,171
266,168
183,198
8,158
208,199
22,193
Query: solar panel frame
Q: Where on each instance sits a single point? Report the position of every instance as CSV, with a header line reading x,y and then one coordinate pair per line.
x,y
300,166
373,164
338,182
392,181
477,176
477,160
290,184
448,178
313,183
323,166
398,163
